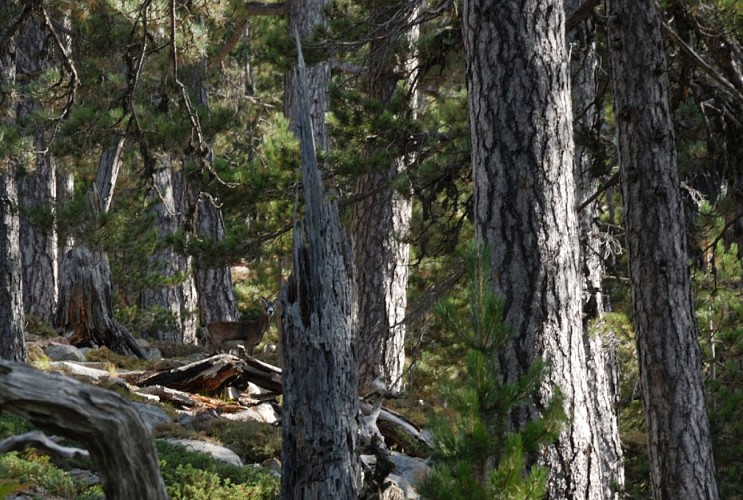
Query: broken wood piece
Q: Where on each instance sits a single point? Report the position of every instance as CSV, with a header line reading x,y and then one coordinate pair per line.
x,y
40,441
397,429
167,394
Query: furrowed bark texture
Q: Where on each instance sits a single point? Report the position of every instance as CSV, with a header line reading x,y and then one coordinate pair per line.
x,y
12,342
121,448
179,297
600,348
320,375
305,17
37,188
216,297
108,172
381,222
681,462
522,154
214,283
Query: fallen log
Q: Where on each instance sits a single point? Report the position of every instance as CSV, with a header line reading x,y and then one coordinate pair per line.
x,y
121,448
207,375
213,374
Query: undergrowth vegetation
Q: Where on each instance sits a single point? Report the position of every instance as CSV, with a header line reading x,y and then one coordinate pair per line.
x,y
187,475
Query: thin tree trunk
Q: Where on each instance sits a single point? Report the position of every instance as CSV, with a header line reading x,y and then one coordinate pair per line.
x,y
320,375
108,171
600,348
304,17
216,296
12,342
522,154
381,220
681,462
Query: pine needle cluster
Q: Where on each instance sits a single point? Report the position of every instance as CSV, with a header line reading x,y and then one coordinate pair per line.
x,y
478,454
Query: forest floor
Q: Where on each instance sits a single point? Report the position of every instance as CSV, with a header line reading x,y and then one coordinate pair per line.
x,y
216,428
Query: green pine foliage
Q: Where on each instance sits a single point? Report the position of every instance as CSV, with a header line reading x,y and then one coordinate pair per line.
x,y
478,455
719,314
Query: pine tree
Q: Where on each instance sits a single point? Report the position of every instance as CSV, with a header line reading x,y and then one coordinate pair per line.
x,y
477,455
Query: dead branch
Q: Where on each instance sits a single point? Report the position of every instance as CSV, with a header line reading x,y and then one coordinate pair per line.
x,y
40,441
120,446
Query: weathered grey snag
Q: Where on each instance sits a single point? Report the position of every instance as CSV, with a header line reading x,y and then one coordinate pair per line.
x,y
86,303
121,448
679,447
320,376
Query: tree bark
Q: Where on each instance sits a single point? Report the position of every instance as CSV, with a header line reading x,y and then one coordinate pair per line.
x,y
107,174
214,284
37,188
216,297
86,303
12,342
320,375
304,18
381,219
121,447
681,462
522,155
177,298
600,347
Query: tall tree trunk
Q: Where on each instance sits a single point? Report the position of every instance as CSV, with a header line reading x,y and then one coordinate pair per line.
x,y
179,297
681,462
12,342
600,348
522,154
38,188
216,297
381,220
320,375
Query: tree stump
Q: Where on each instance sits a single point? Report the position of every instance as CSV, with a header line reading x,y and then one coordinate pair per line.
x,y
86,303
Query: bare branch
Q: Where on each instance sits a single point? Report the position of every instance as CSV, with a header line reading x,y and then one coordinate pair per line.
x,y
40,441
709,70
